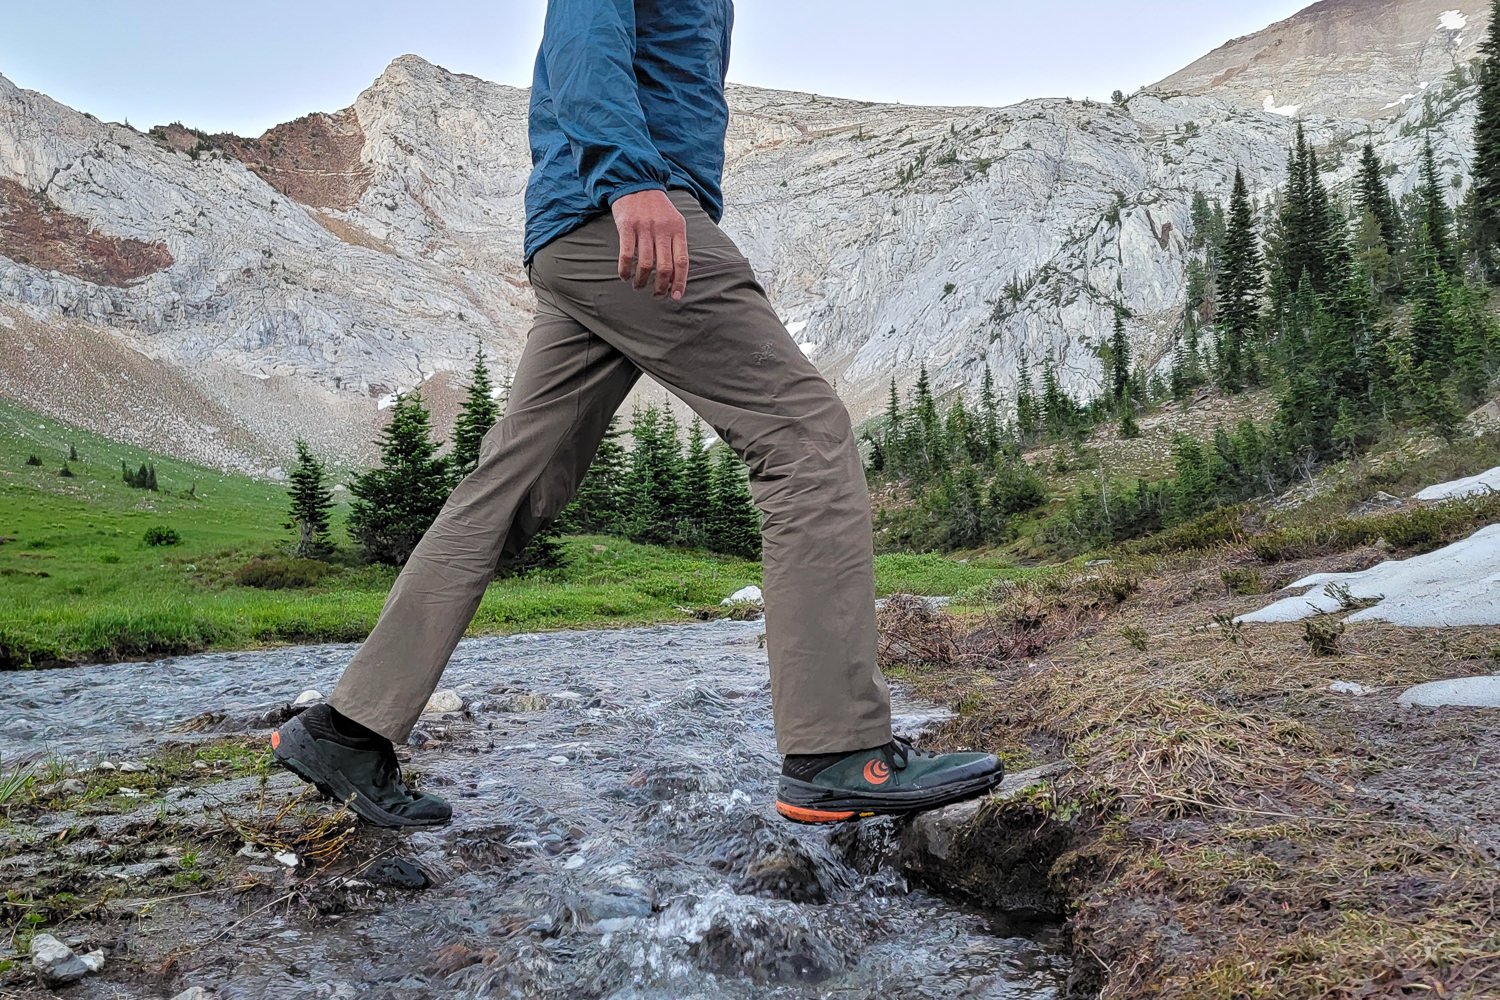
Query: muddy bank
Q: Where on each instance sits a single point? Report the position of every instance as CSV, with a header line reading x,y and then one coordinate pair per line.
x,y
613,839
1251,811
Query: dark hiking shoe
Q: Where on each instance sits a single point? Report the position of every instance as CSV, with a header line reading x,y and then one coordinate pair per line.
x,y
361,773
888,781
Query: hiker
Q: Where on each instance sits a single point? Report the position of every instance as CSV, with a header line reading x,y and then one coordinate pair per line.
x,y
632,274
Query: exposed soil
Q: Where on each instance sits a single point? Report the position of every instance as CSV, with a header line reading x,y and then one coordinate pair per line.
x,y
35,231
316,160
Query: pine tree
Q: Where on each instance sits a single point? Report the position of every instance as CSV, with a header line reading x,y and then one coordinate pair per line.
x,y
697,483
1028,410
733,526
655,476
1437,216
395,503
1485,211
1059,412
475,418
893,444
311,505
602,501
1119,358
1129,429
925,432
1373,195
989,415
1240,284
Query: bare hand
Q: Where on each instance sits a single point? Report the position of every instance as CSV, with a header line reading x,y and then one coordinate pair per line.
x,y
653,242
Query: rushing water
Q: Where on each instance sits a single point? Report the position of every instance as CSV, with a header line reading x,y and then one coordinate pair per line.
x,y
613,835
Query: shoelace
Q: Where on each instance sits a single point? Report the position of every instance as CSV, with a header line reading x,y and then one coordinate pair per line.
x,y
899,751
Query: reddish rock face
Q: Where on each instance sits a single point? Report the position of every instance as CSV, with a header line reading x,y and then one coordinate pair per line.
x,y
315,160
35,231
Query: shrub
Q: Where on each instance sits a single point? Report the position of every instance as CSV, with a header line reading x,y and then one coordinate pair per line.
x,y
1322,635
1242,580
162,536
281,573
33,460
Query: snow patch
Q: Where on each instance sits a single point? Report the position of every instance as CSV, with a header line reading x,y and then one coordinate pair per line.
x,y
1456,585
1399,101
1452,20
1485,482
1289,110
808,346
387,401
797,327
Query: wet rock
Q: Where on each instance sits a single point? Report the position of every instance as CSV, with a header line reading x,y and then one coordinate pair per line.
x,y
606,906
1001,860
1350,688
748,595
444,702
56,964
398,873
1462,692
789,873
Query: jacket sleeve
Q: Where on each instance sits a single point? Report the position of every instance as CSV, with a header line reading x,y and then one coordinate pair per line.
x,y
589,50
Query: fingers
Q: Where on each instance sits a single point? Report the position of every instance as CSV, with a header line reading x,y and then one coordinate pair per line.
x,y
665,264
653,243
626,266
679,266
645,260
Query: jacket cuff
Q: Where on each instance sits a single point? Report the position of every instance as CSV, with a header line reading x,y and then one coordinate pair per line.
x,y
624,189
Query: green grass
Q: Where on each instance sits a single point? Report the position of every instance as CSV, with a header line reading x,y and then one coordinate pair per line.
x,y
78,583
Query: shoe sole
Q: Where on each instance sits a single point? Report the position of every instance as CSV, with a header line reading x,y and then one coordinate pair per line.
x,y
294,748
802,802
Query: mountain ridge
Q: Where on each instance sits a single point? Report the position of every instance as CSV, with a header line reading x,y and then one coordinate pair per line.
x,y
321,267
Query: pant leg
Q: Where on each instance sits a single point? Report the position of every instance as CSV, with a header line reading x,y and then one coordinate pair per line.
x,y
723,351
568,385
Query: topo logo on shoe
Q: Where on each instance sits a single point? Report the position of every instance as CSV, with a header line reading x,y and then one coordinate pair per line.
x,y
877,772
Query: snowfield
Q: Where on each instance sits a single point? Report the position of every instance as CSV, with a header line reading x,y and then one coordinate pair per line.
x,y
1485,482
1456,585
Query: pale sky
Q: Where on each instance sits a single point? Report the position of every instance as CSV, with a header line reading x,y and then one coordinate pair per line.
x,y
243,67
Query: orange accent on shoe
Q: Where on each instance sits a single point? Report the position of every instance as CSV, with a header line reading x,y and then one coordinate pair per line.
x,y
275,739
802,815
877,772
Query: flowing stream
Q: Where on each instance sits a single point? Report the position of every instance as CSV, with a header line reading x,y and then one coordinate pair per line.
x,y
613,835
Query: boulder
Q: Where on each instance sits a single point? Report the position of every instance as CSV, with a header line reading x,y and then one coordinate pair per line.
x,y
747,595
443,703
56,964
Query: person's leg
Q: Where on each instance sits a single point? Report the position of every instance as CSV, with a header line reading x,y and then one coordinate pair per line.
x,y
723,350
567,386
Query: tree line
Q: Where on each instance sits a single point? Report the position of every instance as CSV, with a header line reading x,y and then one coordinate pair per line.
x,y
659,491
1362,313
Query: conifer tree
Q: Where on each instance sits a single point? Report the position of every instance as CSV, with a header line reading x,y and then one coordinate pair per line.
x,y
395,503
1119,358
655,476
696,488
989,415
1028,410
475,418
1129,429
1437,217
600,505
924,433
1373,195
1059,412
733,526
1240,284
1485,193
311,505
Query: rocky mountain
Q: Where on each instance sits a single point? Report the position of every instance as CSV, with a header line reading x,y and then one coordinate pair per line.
x,y
1366,58
215,296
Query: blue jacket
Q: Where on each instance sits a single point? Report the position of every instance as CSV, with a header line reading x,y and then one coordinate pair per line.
x,y
627,96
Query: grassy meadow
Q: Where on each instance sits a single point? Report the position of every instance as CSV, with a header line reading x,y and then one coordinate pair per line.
x,y
79,583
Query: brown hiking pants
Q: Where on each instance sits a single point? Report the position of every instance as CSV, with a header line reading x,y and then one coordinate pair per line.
x,y
722,350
